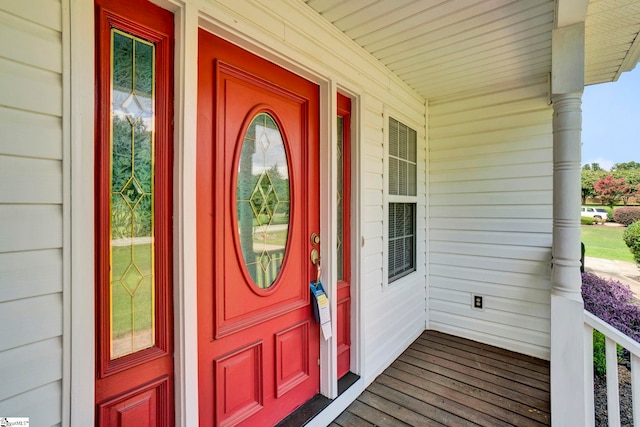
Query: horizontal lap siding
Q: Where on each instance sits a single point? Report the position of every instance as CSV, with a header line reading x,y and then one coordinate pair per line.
x,y
31,212
372,193
393,315
490,202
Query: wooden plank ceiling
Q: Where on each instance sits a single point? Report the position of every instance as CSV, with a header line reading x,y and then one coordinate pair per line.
x,y
442,47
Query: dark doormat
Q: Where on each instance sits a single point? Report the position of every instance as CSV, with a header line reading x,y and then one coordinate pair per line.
x,y
316,404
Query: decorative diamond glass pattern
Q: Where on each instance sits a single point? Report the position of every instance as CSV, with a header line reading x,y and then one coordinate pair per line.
x,y
132,279
132,194
263,200
132,108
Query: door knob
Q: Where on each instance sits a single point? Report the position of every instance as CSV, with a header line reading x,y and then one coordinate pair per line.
x,y
315,257
315,260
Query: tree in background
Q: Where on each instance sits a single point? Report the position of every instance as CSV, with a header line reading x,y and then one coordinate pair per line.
x,y
629,171
592,167
632,180
590,174
610,189
626,166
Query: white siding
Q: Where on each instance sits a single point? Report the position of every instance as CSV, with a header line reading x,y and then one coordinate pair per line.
x,y
394,314
31,196
490,201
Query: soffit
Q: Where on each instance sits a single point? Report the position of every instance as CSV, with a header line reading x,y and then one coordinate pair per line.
x,y
612,45
442,47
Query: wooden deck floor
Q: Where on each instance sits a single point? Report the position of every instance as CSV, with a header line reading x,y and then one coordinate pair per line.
x,y
445,380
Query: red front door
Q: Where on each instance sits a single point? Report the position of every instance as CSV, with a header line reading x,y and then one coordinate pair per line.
x,y
134,63
257,206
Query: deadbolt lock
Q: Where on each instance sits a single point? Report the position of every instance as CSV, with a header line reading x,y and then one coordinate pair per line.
x,y
315,239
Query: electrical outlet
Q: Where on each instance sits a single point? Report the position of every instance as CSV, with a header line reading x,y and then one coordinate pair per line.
x,y
478,302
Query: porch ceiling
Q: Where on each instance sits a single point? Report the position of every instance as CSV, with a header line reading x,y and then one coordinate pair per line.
x,y
612,44
441,47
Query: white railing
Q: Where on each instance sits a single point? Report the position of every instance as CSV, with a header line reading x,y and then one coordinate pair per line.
x,y
613,337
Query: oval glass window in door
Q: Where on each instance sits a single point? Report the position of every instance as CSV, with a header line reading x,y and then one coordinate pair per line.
x,y
263,200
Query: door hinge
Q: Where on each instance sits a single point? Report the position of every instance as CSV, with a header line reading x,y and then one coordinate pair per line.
x,y
318,362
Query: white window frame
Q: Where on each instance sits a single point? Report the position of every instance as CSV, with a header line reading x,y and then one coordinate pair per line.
x,y
392,198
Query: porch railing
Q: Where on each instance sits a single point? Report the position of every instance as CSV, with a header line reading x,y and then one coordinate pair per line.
x,y
613,338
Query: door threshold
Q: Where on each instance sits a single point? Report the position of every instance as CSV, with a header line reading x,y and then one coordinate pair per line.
x,y
347,381
316,404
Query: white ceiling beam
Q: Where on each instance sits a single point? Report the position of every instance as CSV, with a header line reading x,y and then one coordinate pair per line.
x,y
567,59
569,12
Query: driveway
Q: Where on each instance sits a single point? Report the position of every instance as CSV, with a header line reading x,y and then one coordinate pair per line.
x,y
625,272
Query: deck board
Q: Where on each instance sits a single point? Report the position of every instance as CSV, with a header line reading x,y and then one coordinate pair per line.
x,y
485,398
442,380
348,419
467,346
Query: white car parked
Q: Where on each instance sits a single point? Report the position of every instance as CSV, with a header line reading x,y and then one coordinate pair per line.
x,y
597,213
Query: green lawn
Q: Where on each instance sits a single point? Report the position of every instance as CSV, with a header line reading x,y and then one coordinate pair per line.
x,y
131,289
605,242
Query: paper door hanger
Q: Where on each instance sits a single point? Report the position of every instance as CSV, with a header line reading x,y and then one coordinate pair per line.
x,y
321,309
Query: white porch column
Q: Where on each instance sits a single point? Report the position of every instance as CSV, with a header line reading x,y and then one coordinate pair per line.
x,y
567,318
567,124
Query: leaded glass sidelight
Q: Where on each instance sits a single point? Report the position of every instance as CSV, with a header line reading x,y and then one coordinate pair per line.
x,y
340,199
132,194
263,200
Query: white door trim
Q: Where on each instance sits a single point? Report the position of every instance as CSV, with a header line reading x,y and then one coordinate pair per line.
x,y
78,129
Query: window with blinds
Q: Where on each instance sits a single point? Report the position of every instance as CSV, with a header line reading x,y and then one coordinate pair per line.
x,y
402,200
402,159
402,242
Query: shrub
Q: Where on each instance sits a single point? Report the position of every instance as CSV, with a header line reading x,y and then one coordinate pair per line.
x,y
612,302
631,237
599,354
587,220
627,215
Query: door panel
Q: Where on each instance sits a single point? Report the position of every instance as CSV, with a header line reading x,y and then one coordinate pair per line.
x,y
257,205
142,407
134,62
239,383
